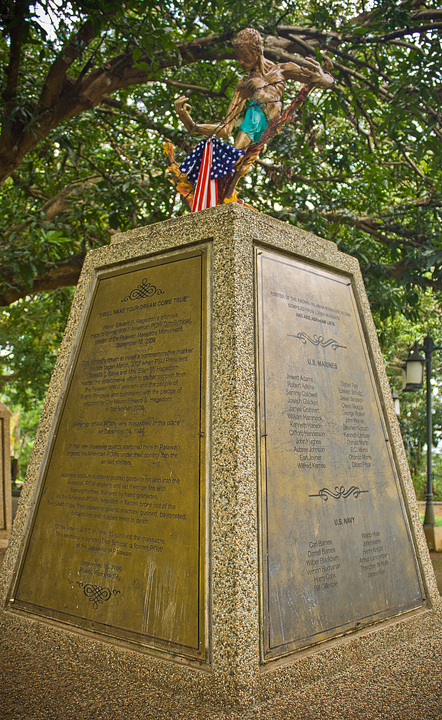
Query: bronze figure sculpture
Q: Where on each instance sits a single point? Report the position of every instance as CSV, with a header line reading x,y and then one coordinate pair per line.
x,y
262,89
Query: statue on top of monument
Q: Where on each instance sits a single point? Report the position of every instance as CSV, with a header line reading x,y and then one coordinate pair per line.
x,y
214,166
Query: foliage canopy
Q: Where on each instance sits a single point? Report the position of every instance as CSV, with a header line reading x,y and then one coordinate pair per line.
x,y
87,103
396,335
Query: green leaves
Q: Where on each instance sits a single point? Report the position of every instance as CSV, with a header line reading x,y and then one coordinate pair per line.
x,y
30,334
361,165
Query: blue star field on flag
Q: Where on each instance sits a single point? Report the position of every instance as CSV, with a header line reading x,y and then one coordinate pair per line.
x,y
223,159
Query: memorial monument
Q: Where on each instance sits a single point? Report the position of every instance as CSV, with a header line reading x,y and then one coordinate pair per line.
x,y
218,481
210,174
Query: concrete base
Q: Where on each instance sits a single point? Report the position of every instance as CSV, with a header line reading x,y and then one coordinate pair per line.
x,y
434,537
121,680
403,683
437,508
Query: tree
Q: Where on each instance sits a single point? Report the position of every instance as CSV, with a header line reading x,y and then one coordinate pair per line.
x,y
88,103
397,335
31,331
24,425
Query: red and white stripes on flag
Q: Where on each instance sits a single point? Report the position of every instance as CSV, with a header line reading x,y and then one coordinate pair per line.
x,y
206,191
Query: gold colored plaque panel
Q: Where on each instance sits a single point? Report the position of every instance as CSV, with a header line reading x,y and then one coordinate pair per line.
x,y
117,540
336,547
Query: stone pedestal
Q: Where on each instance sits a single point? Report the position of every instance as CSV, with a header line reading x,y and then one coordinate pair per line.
x,y
5,465
218,498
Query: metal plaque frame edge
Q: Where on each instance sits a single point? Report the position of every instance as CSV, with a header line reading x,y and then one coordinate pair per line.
x,y
268,660
203,660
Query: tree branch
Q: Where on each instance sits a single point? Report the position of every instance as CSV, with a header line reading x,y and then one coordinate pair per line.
x,y
30,191
427,201
417,29
54,206
194,88
55,78
4,379
404,266
370,225
143,118
347,71
430,13
62,273
309,32
413,165
331,48
359,63
16,34
275,171
73,97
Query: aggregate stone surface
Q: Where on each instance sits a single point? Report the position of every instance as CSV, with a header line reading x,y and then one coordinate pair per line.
x,y
404,684
45,676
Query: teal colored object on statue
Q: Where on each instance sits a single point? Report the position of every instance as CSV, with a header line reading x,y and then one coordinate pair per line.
x,y
255,121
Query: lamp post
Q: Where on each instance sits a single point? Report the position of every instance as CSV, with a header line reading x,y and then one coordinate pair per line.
x,y
413,380
396,402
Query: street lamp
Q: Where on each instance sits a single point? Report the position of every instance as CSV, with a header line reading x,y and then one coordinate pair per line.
x,y
413,370
412,379
396,402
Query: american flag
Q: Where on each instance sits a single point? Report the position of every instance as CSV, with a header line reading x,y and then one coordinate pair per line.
x,y
210,160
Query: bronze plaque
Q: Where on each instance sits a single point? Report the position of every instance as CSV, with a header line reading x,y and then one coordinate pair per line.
x,y
336,547
117,538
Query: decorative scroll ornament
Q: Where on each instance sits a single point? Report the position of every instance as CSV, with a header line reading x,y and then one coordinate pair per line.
x,y
143,290
97,594
339,493
318,340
